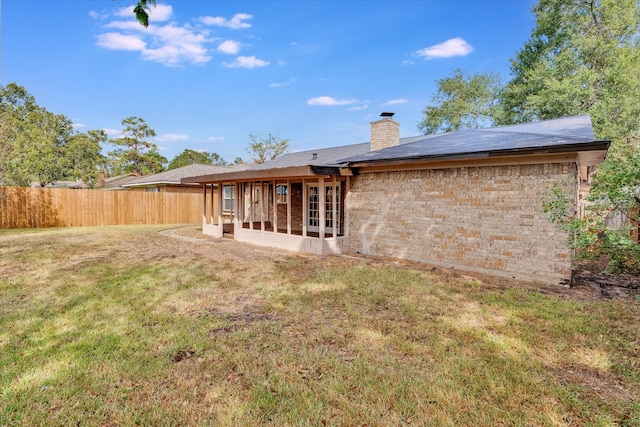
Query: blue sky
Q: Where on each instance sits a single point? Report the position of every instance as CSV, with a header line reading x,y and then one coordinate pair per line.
x,y
206,73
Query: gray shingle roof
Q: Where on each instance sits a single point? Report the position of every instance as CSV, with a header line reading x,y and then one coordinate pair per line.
x,y
539,137
569,134
323,157
175,175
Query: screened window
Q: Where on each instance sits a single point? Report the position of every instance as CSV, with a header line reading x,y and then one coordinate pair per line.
x,y
228,202
281,193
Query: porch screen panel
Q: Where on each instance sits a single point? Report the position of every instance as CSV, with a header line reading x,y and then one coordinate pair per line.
x,y
314,207
332,194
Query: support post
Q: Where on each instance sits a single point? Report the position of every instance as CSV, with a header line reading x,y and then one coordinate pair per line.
x,y
322,205
289,206
334,206
305,208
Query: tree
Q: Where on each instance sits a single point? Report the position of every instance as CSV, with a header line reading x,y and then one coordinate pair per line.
x,y
37,145
139,156
264,148
462,101
583,57
40,149
83,154
616,193
190,157
34,141
15,104
7,125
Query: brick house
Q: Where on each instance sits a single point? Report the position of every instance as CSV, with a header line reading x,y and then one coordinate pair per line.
x,y
469,200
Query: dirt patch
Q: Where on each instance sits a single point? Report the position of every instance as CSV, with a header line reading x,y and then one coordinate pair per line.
x,y
239,314
604,386
591,275
607,286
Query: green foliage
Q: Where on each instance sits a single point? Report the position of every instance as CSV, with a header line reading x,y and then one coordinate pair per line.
x,y
138,155
41,148
84,154
37,145
264,148
615,196
190,157
583,57
7,126
140,10
462,101
34,142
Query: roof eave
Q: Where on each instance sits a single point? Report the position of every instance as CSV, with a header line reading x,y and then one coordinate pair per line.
x,y
154,183
268,174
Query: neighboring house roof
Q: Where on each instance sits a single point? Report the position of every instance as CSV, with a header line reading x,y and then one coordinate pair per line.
x,y
566,134
76,185
116,182
173,176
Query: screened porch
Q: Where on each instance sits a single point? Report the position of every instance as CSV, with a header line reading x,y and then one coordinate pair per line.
x,y
302,214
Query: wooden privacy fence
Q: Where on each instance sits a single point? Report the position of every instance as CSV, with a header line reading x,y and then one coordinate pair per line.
x,y
58,207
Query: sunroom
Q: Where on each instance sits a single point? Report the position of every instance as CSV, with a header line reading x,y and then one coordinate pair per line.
x,y
298,208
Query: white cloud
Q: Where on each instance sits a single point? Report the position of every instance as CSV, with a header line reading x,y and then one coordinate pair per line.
x,y
96,15
172,43
126,25
212,139
359,108
396,101
236,22
247,62
159,13
167,44
112,131
125,12
118,41
172,137
327,100
229,46
452,47
282,84
79,125
175,45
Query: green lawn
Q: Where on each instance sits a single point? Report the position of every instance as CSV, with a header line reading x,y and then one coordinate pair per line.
x,y
123,326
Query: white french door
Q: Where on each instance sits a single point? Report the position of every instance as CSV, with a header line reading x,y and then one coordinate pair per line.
x,y
313,207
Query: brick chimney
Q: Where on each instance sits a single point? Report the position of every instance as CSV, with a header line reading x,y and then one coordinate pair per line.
x,y
385,133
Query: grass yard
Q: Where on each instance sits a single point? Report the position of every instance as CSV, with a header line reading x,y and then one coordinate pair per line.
x,y
123,326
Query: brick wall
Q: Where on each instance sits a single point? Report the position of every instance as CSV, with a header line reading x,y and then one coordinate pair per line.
x,y
485,219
